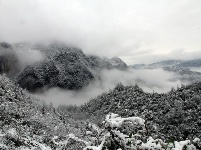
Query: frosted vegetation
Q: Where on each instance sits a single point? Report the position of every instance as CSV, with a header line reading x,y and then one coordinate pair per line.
x,y
122,119
28,123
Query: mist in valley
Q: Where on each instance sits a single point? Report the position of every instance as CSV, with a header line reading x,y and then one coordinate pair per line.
x,y
156,80
150,80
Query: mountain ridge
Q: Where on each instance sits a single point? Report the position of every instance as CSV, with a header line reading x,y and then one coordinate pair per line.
x,y
63,66
169,63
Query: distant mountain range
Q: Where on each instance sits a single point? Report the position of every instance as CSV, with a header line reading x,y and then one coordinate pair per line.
x,y
181,67
169,63
190,63
161,64
63,66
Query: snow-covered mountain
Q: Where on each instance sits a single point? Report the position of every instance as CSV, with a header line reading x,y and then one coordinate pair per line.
x,y
161,64
62,66
169,63
190,63
26,122
181,67
106,63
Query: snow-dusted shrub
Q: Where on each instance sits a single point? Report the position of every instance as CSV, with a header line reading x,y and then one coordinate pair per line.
x,y
111,137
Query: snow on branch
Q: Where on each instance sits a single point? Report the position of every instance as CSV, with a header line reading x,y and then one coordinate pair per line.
x,y
114,120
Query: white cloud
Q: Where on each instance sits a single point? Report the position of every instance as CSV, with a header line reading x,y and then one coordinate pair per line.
x,y
157,80
106,27
29,56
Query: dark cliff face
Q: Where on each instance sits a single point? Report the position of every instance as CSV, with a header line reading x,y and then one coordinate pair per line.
x,y
8,60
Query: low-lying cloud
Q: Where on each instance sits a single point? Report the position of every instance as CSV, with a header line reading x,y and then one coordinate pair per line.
x,y
28,56
156,80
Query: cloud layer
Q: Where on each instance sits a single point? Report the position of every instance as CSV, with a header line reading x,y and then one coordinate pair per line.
x,y
150,80
28,56
133,30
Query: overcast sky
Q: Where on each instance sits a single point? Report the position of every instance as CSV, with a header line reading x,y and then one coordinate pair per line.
x,y
138,31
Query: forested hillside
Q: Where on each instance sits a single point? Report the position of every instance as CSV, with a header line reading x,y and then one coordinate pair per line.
x,y
100,75
109,121
61,65
28,123
174,115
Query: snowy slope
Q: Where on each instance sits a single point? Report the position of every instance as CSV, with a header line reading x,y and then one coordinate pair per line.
x,y
64,67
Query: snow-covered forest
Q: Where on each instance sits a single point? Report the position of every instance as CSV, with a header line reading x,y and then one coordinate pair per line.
x,y
100,75
125,117
161,122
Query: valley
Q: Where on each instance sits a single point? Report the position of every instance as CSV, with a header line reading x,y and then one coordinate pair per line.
x,y
38,113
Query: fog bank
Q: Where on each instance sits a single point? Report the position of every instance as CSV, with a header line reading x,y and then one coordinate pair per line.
x,y
27,56
158,80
